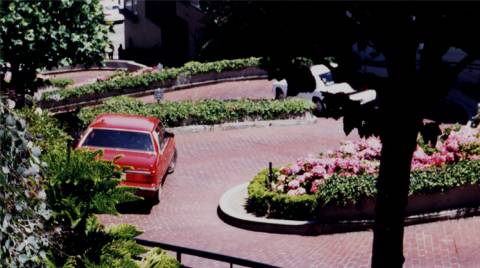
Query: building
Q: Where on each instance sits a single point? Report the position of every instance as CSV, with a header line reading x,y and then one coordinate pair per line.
x,y
167,32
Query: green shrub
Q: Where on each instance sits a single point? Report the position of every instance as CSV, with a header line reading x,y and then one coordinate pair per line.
x,y
341,190
60,82
80,186
344,191
444,178
261,201
208,112
157,258
23,208
45,130
259,196
146,80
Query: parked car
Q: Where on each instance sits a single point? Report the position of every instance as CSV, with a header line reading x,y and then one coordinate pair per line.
x,y
147,151
111,10
324,84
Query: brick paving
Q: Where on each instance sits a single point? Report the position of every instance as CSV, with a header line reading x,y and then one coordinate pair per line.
x,y
83,77
210,163
252,89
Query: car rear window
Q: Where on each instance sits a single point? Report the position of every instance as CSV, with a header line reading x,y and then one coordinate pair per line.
x,y
119,139
327,79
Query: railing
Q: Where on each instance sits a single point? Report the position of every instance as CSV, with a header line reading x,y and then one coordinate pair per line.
x,y
203,254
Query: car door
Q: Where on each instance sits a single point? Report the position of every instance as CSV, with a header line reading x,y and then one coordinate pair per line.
x,y
169,143
166,149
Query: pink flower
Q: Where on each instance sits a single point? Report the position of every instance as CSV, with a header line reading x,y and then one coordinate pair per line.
x,y
296,169
292,192
348,147
300,178
281,178
452,145
280,187
294,184
286,171
438,159
301,191
420,154
450,157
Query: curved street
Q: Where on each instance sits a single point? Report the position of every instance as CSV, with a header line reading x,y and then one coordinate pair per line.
x,y
210,163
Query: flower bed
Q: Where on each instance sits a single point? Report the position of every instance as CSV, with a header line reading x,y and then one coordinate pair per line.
x,y
207,112
146,79
346,177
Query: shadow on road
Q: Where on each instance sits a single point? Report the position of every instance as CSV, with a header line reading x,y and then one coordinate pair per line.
x,y
136,207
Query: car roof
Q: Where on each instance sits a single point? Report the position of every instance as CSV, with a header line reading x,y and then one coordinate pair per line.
x,y
319,69
126,122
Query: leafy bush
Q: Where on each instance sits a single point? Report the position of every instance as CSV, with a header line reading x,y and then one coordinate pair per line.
x,y
80,186
343,190
262,201
147,79
157,258
60,82
23,207
45,130
174,114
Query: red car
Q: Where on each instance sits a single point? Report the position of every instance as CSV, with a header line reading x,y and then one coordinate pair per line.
x,y
147,151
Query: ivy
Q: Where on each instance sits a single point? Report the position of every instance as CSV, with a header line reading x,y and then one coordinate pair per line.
x,y
23,204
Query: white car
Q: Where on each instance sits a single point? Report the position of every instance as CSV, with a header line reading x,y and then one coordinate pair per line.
x,y
111,10
324,84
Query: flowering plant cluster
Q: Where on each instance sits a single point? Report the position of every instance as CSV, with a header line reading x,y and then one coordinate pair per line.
x,y
355,158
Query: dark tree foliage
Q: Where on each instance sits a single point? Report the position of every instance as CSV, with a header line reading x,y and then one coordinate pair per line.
x,y
36,35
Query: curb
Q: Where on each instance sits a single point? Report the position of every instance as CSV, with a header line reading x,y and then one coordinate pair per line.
x,y
307,119
231,209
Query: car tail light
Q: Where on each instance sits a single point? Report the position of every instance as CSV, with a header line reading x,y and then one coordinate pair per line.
x,y
138,176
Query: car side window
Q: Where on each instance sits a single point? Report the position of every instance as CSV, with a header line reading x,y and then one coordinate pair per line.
x,y
161,137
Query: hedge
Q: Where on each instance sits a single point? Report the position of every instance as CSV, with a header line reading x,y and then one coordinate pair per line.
x,y
344,191
261,201
127,81
207,112
60,82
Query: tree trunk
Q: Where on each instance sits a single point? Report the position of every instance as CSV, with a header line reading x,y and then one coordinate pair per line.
x,y
399,143
400,103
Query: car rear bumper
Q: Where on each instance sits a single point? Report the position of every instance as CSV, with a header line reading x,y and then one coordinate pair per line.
x,y
143,189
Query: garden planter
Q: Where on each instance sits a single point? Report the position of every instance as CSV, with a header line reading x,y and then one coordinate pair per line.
x,y
462,197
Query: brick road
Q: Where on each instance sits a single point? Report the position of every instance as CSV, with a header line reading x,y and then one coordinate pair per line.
x,y
252,89
212,162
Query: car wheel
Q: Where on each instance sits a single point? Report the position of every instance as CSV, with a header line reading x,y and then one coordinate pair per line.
x,y
279,94
155,199
173,163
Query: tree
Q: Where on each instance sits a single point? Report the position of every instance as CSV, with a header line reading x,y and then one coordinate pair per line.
x,y
36,35
399,31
